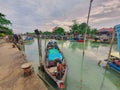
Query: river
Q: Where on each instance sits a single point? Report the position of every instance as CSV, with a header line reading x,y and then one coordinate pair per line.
x,y
82,74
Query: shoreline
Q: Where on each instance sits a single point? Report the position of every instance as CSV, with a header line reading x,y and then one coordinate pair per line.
x,y
11,75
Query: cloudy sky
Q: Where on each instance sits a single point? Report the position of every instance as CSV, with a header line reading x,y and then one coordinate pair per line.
x,y
27,15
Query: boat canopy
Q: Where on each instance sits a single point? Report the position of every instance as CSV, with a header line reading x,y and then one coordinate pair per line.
x,y
115,54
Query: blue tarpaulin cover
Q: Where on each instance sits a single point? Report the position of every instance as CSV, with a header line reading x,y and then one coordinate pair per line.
x,y
29,38
54,54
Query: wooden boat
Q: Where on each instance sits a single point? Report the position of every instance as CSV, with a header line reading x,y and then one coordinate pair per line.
x,y
53,56
115,61
103,42
28,39
80,40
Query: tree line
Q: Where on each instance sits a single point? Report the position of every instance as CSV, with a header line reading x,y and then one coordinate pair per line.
x,y
75,29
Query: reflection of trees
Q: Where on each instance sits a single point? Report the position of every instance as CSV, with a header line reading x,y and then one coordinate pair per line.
x,y
94,45
105,45
115,47
75,45
29,43
61,42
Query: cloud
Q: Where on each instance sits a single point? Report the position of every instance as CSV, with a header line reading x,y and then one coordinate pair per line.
x,y
27,15
106,10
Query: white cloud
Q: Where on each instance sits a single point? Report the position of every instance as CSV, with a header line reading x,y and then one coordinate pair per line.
x,y
28,15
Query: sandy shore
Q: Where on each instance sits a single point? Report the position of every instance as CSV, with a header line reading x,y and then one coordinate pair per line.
x,y
11,74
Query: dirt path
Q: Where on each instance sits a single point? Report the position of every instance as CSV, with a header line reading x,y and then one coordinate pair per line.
x,y
11,74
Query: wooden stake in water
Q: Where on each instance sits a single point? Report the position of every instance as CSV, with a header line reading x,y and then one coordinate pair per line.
x,y
45,40
111,44
39,47
62,43
85,43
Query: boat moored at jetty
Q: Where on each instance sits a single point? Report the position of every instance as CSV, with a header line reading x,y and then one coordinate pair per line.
x,y
55,64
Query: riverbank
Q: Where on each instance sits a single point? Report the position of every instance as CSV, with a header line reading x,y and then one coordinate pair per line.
x,y
11,74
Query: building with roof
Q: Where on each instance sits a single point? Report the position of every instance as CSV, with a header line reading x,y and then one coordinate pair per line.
x,y
106,30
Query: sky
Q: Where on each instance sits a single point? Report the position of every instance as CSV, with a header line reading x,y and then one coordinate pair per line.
x,y
44,15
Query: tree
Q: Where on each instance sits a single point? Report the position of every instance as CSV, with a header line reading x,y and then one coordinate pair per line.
x,y
93,32
3,24
80,28
74,28
6,30
3,20
59,31
47,33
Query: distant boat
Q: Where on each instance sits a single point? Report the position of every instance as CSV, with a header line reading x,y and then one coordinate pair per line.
x,y
81,40
27,39
77,39
72,40
53,59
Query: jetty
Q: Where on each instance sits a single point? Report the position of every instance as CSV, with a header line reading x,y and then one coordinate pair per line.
x,y
12,75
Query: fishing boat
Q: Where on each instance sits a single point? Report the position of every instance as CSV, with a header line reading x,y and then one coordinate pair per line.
x,y
95,41
28,39
77,39
72,40
81,40
55,64
115,61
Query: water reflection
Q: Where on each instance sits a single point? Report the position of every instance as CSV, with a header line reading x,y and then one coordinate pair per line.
x,y
77,45
29,42
94,45
81,75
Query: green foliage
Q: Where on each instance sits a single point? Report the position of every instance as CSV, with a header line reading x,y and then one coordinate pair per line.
x,y
93,32
59,31
2,34
3,23
3,20
47,33
30,33
6,30
81,28
74,28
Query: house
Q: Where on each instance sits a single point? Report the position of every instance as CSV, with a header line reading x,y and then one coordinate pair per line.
x,y
106,30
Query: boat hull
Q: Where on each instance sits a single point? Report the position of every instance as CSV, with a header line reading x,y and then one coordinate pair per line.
x,y
114,66
52,74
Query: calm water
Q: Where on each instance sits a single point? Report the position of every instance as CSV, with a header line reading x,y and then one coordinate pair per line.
x,y
86,75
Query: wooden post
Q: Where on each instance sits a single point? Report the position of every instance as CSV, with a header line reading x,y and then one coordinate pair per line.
x,y
62,43
111,44
40,53
83,55
45,40
22,45
39,47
